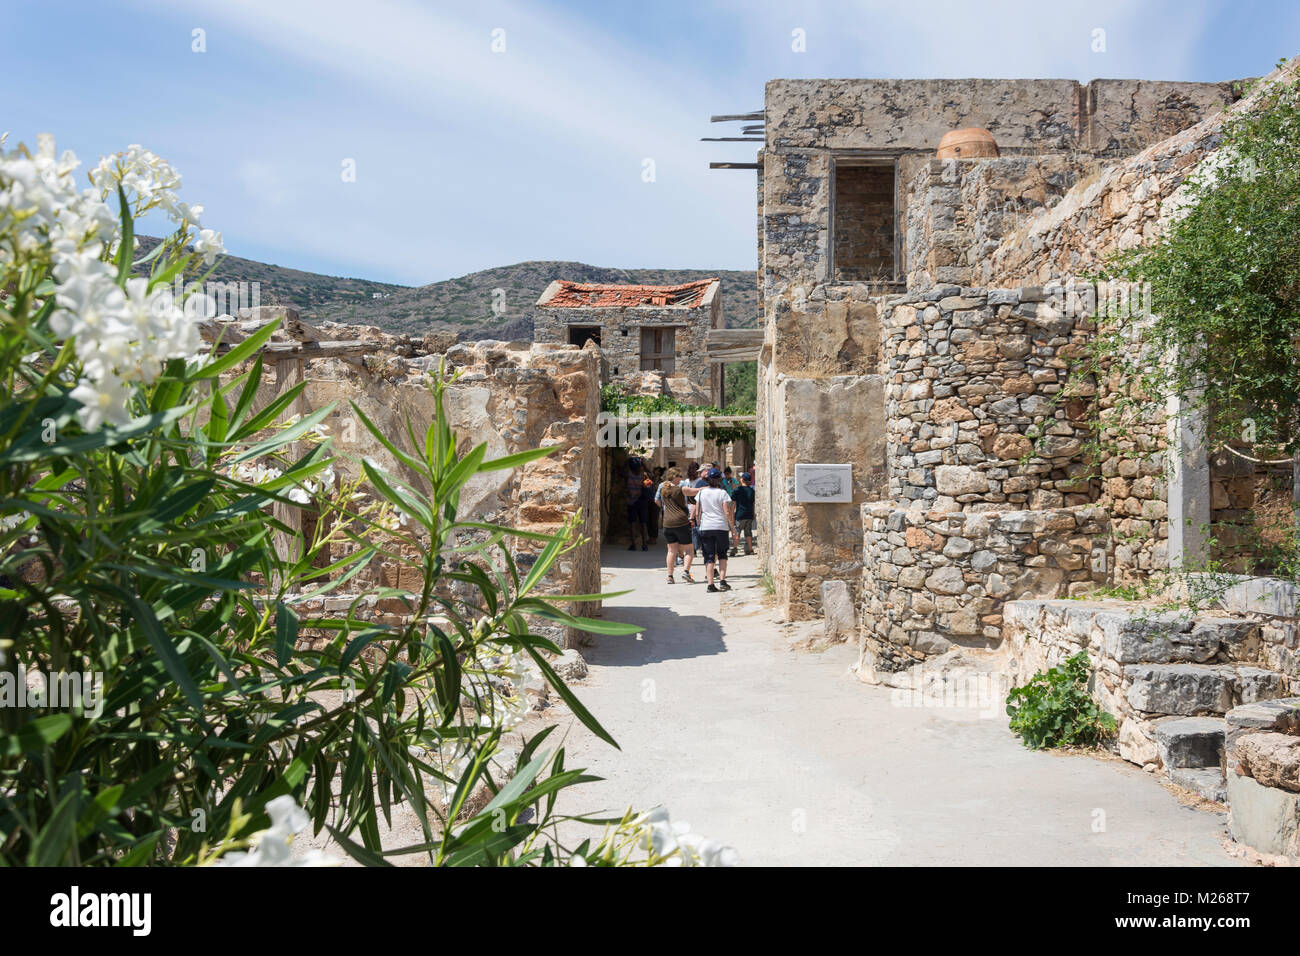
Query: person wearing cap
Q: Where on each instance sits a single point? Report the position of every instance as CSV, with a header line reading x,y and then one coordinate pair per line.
x,y
744,499
714,512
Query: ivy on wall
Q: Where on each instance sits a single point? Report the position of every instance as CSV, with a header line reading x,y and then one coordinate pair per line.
x,y
614,398
1225,282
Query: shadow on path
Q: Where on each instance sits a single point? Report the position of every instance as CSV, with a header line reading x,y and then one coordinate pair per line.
x,y
667,636
681,620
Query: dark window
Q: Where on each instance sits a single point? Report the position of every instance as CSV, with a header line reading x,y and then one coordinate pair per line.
x,y
579,335
863,231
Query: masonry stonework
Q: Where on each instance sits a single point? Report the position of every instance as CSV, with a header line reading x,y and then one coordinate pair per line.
x,y
971,374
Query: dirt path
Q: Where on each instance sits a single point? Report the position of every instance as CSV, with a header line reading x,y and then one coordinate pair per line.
x,y
785,755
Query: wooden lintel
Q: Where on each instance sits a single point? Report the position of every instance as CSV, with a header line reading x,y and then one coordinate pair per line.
x,y
737,117
735,165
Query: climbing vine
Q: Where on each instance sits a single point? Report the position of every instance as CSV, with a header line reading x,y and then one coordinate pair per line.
x,y
615,399
1225,284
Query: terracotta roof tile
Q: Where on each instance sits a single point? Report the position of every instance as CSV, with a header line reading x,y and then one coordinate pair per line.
x,y
572,295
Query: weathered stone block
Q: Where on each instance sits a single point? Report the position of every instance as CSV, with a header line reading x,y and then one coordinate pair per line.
x,y
1183,689
1272,759
1190,742
838,611
959,480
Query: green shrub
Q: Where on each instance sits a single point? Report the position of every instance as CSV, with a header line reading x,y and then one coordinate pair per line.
x,y
138,476
1055,709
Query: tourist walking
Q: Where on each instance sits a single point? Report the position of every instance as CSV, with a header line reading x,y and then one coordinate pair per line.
x,y
714,510
676,525
744,499
695,480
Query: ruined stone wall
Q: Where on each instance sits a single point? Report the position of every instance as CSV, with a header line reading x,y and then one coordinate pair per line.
x,y
821,399
958,211
974,421
1151,666
1122,207
989,496
513,397
932,579
954,215
1106,116
1125,205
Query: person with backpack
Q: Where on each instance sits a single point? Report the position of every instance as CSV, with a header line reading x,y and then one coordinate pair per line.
x,y
714,512
743,496
676,525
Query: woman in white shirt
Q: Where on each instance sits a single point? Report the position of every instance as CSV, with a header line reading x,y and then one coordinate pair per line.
x,y
715,512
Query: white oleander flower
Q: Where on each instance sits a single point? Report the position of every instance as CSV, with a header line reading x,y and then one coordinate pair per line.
x,y
272,846
104,399
658,834
209,245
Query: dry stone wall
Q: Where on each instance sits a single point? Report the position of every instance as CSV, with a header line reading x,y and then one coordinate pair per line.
x,y
935,579
1172,679
974,415
513,397
959,211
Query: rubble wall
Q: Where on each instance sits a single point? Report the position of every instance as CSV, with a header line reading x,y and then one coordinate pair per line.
x,y
1104,116
1152,666
511,396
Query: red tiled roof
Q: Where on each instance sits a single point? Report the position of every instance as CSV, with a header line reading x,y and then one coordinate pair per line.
x,y
571,295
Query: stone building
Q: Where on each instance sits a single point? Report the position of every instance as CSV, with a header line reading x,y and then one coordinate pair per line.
x,y
884,347
641,328
922,318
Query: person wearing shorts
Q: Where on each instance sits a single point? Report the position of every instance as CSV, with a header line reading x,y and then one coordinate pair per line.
x,y
676,525
714,510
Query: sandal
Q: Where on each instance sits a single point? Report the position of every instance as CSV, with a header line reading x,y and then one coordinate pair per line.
x,y
686,576
671,580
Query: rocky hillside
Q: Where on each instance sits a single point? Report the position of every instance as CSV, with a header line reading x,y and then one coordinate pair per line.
x,y
465,304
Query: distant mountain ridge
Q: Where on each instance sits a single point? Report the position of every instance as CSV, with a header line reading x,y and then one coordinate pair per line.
x,y
465,304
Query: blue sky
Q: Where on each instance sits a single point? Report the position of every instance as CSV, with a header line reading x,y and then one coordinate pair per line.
x,y
468,158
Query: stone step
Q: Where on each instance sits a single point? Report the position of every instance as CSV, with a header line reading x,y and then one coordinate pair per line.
x,y
1280,715
1208,782
1171,638
1191,743
1188,690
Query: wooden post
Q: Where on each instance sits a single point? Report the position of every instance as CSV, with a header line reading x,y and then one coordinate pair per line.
x,y
288,373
